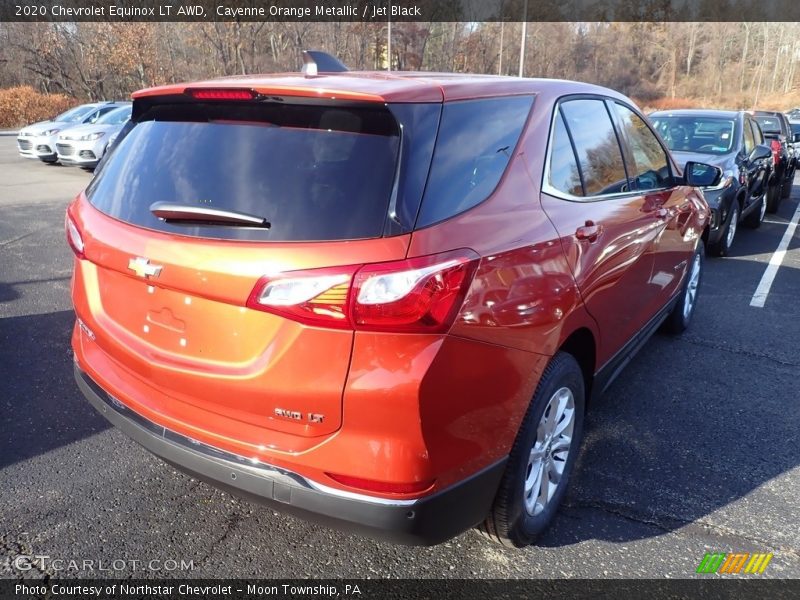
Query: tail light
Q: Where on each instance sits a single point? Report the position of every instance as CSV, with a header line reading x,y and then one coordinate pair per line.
x,y
416,295
74,237
776,151
315,297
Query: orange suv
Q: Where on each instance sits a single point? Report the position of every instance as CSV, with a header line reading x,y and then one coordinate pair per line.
x,y
379,300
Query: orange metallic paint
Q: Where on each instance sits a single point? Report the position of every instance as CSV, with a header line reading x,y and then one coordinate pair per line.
x,y
398,407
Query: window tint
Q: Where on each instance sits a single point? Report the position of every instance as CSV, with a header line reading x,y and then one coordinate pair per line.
x,y
596,145
769,124
476,140
650,168
749,139
313,172
564,174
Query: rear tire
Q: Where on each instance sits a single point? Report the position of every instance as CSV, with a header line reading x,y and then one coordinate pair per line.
x,y
544,451
774,193
756,217
681,316
786,190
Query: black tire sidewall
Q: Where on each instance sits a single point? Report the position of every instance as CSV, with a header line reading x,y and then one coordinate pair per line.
x,y
565,372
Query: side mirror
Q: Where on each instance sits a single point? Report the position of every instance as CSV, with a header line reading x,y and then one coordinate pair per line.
x,y
699,174
761,152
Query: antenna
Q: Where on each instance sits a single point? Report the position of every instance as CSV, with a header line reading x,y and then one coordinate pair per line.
x,y
315,62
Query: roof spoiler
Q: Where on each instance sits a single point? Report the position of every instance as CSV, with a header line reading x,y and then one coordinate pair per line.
x,y
315,61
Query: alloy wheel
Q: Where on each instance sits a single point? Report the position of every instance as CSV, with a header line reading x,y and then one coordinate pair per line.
x,y
691,288
550,451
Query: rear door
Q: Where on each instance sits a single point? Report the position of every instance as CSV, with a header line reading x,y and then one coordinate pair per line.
x,y
168,298
606,229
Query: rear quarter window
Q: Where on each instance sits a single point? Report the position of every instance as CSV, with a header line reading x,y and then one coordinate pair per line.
x,y
476,141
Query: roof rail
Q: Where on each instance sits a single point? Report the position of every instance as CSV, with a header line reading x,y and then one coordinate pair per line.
x,y
315,61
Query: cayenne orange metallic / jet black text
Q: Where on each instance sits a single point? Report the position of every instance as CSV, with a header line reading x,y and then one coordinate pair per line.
x,y
378,300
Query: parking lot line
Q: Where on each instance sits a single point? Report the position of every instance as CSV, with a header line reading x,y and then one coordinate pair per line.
x,y
762,291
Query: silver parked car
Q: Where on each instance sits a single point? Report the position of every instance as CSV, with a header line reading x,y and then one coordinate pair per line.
x,y
39,140
85,145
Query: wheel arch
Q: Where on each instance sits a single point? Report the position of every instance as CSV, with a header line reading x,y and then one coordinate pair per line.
x,y
582,346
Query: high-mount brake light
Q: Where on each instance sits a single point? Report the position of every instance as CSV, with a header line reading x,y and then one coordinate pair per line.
x,y
417,295
220,94
74,237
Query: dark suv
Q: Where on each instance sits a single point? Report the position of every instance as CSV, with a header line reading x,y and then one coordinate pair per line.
x,y
781,139
732,141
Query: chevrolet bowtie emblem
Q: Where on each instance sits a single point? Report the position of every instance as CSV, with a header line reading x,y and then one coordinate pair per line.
x,y
143,268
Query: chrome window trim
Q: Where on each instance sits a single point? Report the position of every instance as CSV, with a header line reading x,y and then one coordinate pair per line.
x,y
548,189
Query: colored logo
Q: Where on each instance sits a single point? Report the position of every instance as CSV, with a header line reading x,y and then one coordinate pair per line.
x,y
741,562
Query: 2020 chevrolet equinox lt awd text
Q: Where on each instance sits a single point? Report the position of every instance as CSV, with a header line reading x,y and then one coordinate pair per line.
x,y
379,301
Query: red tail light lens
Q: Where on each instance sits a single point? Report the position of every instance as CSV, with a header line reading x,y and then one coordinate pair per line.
x,y
74,237
776,151
315,297
220,94
418,295
386,487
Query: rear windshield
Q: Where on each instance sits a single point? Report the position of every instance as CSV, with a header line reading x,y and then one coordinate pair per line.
x,y
769,124
707,135
312,172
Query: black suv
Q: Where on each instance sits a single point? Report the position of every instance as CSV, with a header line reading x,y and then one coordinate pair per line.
x,y
778,132
732,141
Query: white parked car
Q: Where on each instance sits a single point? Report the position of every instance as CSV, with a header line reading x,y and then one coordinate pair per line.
x,y
85,145
39,140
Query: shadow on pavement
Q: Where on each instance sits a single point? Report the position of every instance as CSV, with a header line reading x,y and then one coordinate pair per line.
x,y
41,408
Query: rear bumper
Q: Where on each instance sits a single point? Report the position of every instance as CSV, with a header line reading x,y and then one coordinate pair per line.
x,y
424,521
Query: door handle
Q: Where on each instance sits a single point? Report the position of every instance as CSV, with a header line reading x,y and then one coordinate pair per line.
x,y
589,231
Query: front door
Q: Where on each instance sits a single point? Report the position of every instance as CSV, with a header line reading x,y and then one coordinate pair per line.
x,y
606,229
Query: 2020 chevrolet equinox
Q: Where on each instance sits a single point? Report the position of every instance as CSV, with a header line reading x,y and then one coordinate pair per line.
x,y
377,300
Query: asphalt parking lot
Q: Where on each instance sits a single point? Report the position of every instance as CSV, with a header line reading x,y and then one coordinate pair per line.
x,y
694,449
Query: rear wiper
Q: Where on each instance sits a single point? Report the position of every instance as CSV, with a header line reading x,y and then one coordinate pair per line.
x,y
206,215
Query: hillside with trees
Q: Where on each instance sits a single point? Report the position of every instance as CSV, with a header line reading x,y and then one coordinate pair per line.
x,y
659,64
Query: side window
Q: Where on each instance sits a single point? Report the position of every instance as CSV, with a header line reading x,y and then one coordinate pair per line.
x,y
475,143
749,139
650,168
564,174
596,146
